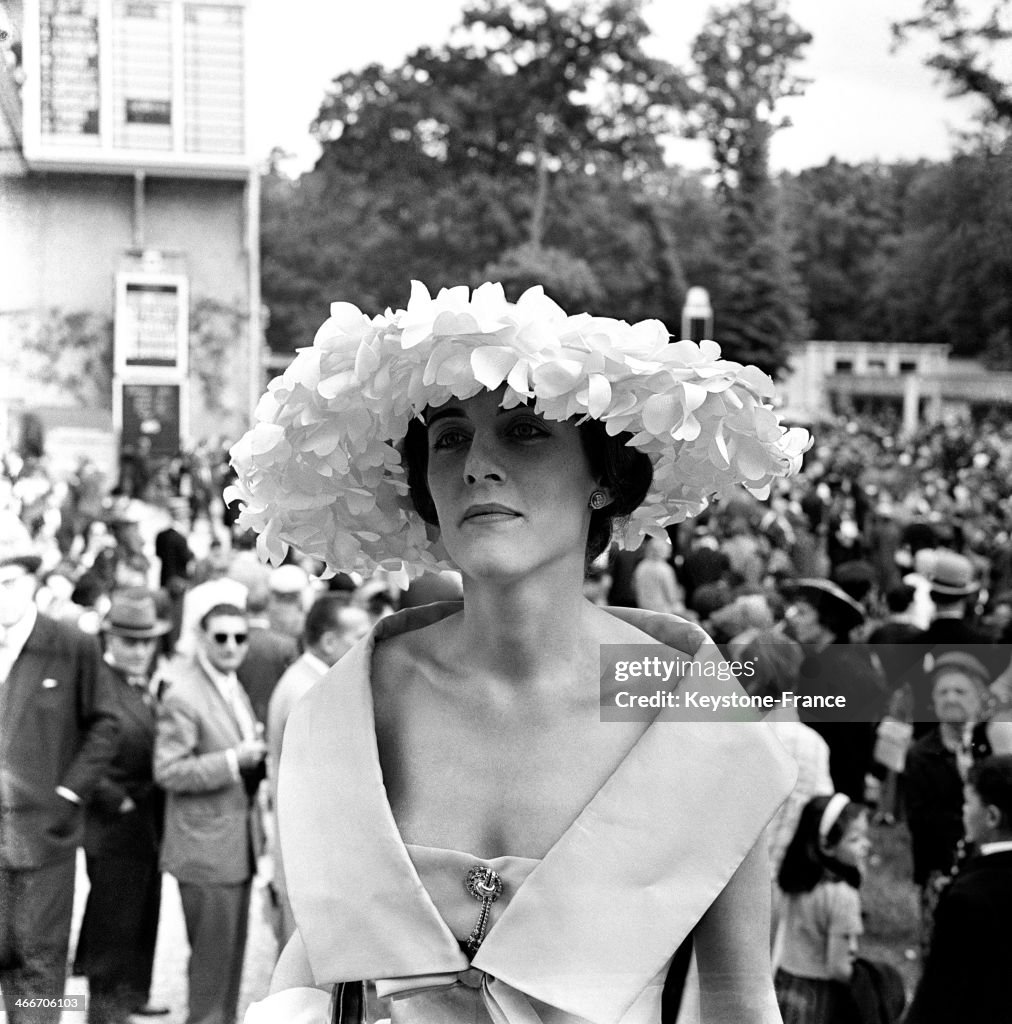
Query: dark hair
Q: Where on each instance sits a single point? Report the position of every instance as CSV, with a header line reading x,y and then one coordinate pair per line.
x,y
838,620
323,616
625,471
806,862
900,597
992,779
220,609
776,660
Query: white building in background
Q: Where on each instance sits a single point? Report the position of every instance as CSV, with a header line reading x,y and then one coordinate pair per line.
x,y
129,208
920,381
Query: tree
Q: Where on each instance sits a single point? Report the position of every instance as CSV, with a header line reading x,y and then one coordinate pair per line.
x,y
524,149
742,62
949,279
845,220
967,43
742,69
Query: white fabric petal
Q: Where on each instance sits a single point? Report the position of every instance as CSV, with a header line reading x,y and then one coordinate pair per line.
x,y
324,426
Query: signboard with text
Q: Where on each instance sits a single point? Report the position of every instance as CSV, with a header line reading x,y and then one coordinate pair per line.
x,y
68,58
152,412
137,83
151,330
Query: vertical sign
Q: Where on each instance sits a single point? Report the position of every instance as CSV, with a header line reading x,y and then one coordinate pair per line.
x,y
151,324
142,74
213,78
151,327
69,74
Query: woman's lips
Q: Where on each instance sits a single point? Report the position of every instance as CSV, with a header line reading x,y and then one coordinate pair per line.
x,y
489,513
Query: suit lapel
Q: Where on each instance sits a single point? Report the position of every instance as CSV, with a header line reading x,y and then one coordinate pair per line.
x,y
27,674
134,705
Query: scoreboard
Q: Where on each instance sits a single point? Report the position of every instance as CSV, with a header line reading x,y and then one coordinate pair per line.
x,y
136,84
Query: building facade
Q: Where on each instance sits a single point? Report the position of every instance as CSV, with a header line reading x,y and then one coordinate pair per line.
x,y
918,382
129,273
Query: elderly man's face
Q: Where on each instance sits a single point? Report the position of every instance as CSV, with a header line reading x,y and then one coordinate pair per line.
x,y
17,588
957,697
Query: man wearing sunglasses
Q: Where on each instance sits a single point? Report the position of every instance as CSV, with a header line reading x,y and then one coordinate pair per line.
x,y
209,757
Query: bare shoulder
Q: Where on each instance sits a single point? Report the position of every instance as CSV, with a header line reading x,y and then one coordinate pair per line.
x,y
397,659
633,626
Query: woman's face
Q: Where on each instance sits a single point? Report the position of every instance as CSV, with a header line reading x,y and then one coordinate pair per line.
x,y
510,488
802,622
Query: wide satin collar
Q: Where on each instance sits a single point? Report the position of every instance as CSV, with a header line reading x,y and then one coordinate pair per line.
x,y
603,911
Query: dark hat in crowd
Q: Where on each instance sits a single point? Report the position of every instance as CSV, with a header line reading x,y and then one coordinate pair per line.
x,y
828,599
855,577
16,545
963,662
953,574
132,613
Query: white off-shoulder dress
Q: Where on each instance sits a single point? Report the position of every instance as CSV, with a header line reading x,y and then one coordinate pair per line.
x,y
584,935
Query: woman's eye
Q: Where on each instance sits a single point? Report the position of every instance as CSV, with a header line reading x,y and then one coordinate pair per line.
x,y
525,430
450,437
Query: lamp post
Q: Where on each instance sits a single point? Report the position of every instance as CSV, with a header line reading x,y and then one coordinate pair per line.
x,y
697,315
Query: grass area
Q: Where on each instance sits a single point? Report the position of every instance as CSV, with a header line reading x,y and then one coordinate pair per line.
x,y
890,901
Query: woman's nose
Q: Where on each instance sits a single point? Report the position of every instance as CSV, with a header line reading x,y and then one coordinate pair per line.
x,y
482,462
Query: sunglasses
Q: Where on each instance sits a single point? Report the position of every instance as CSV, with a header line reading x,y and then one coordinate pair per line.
x,y
223,638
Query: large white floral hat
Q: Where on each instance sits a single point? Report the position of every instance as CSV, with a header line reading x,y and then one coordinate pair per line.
x,y
321,470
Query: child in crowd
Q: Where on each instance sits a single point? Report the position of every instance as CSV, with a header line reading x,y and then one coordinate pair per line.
x,y
966,974
821,915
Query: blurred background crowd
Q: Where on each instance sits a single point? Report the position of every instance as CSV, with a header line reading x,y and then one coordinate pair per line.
x,y
882,573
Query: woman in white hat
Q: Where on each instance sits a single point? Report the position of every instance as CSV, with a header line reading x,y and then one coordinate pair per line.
x,y
463,828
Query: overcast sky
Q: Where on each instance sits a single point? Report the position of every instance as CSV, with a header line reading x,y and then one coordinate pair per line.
x,y
863,102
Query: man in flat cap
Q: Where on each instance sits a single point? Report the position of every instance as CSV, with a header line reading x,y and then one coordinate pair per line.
x,y
58,736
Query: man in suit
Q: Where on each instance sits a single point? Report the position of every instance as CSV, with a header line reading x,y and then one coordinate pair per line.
x,y
209,757
966,973
123,827
57,737
332,628
953,587
270,652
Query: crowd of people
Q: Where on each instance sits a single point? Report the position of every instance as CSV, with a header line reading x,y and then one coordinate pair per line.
x,y
149,662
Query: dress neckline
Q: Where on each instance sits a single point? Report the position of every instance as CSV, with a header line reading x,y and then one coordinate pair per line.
x,y
573,934
464,855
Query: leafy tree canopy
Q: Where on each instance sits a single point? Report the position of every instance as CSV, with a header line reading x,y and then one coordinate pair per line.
x,y
971,44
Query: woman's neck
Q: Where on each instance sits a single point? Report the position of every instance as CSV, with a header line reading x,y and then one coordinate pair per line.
x,y
526,632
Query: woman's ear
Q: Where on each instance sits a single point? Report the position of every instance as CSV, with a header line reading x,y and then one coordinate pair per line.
x,y
995,819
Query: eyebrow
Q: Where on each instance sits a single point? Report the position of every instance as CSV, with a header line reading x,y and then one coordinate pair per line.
x,y
455,412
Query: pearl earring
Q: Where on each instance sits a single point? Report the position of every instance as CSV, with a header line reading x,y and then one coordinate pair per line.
x,y
598,500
